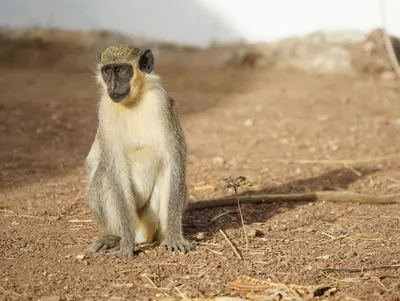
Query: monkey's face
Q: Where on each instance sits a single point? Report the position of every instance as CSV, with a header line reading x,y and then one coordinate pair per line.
x,y
123,70
117,78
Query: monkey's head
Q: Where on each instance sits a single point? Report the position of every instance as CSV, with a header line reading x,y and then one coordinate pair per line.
x,y
122,71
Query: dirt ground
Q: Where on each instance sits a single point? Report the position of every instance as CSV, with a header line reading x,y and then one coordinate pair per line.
x,y
286,131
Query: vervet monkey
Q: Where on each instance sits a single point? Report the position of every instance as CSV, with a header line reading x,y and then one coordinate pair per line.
x,y
137,161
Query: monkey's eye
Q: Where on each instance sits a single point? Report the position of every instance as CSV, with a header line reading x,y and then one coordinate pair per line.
x,y
121,69
107,71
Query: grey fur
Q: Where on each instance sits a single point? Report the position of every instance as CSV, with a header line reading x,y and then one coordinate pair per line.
x,y
105,180
173,238
118,209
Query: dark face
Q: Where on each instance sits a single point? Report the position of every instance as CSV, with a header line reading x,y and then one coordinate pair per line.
x,y
117,77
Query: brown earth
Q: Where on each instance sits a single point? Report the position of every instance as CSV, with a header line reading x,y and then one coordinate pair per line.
x,y
286,131
371,56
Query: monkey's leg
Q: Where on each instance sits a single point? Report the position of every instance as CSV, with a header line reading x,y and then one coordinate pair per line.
x,y
97,192
172,205
110,205
145,174
123,216
99,198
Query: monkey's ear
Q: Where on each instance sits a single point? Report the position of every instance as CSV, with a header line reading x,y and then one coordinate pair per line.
x,y
146,61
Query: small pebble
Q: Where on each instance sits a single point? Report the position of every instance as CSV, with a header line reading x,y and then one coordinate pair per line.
x,y
80,256
200,235
322,117
218,160
248,122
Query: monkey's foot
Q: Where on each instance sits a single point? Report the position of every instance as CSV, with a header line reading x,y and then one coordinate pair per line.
x,y
123,253
104,243
180,245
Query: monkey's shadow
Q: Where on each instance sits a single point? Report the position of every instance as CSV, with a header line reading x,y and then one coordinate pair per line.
x,y
210,220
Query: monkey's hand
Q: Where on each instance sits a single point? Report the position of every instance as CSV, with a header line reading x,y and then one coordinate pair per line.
x,y
104,243
176,244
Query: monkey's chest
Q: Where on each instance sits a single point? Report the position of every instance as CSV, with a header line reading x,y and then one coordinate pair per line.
x,y
144,165
138,150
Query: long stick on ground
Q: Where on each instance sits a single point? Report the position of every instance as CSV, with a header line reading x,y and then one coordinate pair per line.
x,y
358,270
328,196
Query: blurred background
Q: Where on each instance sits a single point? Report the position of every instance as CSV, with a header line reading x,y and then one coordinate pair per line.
x,y
201,22
295,95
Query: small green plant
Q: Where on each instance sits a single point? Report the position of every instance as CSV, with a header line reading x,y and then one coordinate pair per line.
x,y
235,184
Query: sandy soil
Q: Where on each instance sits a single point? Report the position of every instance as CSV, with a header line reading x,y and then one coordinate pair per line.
x,y
285,131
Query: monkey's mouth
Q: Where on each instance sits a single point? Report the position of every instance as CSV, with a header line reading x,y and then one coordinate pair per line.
x,y
117,97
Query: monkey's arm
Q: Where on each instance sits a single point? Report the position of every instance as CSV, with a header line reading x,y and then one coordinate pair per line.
x,y
328,196
93,157
175,197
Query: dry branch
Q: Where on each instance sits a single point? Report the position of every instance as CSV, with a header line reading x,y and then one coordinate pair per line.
x,y
359,270
266,290
231,244
332,161
328,196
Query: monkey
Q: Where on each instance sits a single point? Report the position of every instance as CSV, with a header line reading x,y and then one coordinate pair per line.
x,y
136,164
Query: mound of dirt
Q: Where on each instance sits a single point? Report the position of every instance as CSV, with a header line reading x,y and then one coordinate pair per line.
x,y
321,52
65,49
371,57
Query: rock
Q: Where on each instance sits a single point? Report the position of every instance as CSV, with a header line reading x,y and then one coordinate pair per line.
x,y
249,58
397,122
218,160
370,56
325,257
248,122
251,232
322,118
200,235
388,75
80,256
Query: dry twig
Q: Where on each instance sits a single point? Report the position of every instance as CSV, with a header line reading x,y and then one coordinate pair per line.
x,y
154,285
231,244
213,251
222,214
180,293
359,270
9,292
345,162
